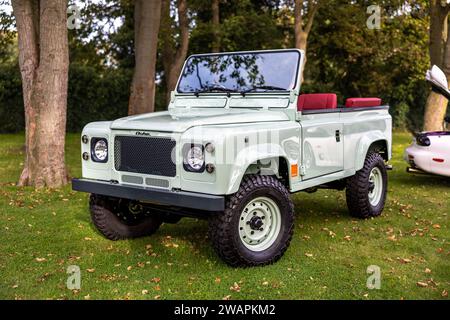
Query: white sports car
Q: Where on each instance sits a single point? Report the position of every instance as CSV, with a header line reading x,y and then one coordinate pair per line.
x,y
430,151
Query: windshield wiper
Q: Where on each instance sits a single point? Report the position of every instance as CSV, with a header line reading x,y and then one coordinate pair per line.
x,y
212,89
265,88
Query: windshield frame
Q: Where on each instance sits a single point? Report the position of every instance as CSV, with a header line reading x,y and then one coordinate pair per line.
x,y
299,66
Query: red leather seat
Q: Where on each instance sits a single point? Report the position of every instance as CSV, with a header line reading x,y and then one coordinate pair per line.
x,y
315,101
362,102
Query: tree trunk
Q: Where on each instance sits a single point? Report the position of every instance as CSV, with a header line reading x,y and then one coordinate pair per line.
x,y
147,16
438,17
302,28
436,106
173,57
435,111
215,8
301,40
43,60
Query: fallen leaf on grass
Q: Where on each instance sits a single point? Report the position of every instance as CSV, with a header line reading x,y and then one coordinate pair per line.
x,y
90,270
218,280
15,286
87,297
444,293
404,260
348,238
41,259
427,270
436,226
87,238
392,238
144,291
309,255
156,280
228,297
265,283
422,284
157,297
235,287
129,268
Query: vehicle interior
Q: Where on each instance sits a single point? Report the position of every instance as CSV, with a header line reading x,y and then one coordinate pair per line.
x,y
328,102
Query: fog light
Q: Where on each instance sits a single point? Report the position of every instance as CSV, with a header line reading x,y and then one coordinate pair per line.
x,y
84,139
210,168
85,156
209,147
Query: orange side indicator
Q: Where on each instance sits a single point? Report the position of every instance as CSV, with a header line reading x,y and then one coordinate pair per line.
x,y
294,170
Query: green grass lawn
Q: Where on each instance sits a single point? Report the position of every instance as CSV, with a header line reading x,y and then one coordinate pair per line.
x,y
43,232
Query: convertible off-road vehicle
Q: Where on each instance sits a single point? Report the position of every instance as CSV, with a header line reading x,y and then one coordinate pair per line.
x,y
238,138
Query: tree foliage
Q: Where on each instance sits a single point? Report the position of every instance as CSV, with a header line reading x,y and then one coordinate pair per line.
x,y
344,56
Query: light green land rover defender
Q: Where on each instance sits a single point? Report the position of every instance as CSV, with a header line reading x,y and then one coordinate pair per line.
x,y
237,140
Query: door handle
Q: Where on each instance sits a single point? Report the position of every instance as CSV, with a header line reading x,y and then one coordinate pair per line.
x,y
338,136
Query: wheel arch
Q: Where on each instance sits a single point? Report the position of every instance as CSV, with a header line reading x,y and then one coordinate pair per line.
x,y
375,142
276,164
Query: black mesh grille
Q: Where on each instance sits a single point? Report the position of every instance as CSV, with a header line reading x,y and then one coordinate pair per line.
x,y
148,155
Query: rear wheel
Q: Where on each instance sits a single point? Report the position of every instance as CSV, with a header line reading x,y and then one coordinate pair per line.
x,y
366,190
121,219
257,224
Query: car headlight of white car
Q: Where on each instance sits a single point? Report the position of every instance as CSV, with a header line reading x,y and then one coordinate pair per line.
x,y
194,157
99,149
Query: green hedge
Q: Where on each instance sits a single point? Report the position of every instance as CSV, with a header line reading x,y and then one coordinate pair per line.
x,y
96,96
11,100
93,95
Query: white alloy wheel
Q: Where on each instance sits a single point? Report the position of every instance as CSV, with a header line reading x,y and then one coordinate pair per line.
x,y
259,224
375,186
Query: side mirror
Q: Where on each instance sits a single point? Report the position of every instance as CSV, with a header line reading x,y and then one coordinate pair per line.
x,y
438,81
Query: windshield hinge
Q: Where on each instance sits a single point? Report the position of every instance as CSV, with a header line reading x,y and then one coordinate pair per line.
x,y
292,95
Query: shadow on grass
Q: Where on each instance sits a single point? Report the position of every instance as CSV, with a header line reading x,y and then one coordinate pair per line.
x,y
192,232
418,180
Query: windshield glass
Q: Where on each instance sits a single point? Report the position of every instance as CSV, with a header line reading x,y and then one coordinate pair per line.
x,y
240,72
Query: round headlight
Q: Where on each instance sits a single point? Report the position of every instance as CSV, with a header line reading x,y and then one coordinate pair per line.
x,y
101,150
195,159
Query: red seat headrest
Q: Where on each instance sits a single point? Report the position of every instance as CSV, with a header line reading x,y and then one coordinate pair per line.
x,y
362,102
316,101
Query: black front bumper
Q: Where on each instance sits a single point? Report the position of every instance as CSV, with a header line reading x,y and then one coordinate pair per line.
x,y
163,197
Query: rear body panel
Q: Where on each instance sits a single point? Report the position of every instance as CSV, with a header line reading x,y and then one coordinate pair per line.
x,y
433,159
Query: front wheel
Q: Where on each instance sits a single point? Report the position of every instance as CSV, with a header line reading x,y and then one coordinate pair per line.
x,y
121,219
366,190
257,224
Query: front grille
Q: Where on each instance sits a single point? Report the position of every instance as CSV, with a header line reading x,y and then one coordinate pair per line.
x,y
147,155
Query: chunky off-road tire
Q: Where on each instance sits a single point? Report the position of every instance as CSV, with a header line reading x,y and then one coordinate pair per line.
x,y
366,190
106,220
260,199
